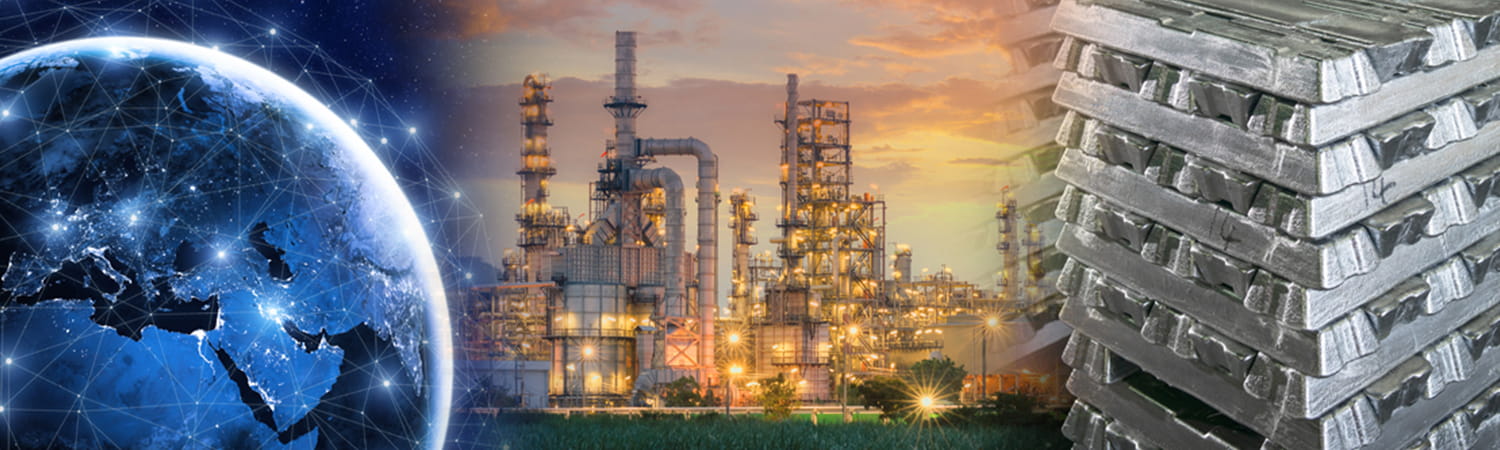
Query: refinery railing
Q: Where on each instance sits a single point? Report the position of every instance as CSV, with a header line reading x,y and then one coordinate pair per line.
x,y
592,332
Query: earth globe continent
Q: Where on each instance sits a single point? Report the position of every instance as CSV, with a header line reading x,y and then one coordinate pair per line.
x,y
195,253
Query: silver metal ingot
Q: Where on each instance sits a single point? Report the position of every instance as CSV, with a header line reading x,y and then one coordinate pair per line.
x,y
1299,394
1262,114
1405,402
1415,231
1386,329
1122,416
1405,152
1261,202
1315,51
1473,425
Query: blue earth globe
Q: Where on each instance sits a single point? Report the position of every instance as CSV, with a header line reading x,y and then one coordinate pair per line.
x,y
195,253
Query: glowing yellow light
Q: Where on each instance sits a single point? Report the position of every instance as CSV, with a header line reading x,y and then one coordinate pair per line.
x,y
588,351
736,370
734,338
926,401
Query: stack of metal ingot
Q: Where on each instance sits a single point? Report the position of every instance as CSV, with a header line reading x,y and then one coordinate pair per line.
x,y
1281,223
1029,126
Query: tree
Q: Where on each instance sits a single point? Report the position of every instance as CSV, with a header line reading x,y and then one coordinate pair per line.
x,y
885,393
685,392
778,396
943,377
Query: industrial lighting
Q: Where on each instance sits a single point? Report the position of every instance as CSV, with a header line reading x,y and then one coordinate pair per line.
x,y
736,370
926,401
734,338
588,352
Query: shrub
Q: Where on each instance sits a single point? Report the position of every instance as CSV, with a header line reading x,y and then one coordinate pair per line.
x,y
778,397
885,393
686,392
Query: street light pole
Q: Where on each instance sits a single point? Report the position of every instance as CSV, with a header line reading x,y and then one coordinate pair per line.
x,y
984,365
984,356
729,388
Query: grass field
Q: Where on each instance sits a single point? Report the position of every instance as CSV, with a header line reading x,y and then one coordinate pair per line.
x,y
716,432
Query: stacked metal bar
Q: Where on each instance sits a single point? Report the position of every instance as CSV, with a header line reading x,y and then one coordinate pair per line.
x,y
1029,126
1280,224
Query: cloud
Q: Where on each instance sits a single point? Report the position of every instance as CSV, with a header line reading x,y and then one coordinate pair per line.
x,y
889,174
887,148
473,19
977,161
906,42
943,28
809,64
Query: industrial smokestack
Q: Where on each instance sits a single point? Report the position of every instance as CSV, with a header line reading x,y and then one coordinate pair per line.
x,y
789,176
789,149
625,105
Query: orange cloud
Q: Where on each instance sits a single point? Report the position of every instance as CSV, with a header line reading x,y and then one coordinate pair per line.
x,y
886,149
947,27
472,19
977,161
807,64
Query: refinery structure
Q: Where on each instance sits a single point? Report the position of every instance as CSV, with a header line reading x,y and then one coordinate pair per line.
x,y
602,312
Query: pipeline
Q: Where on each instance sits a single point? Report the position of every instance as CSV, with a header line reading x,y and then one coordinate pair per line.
x,y
603,228
668,181
708,230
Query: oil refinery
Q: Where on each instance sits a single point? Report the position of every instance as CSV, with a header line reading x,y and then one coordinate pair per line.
x,y
605,309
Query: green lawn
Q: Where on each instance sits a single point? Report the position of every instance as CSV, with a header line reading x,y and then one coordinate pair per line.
x,y
714,432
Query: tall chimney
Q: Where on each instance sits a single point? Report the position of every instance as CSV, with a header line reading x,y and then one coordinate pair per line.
x,y
625,105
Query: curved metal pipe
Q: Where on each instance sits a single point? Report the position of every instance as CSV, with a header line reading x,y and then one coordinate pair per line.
x,y
708,229
668,181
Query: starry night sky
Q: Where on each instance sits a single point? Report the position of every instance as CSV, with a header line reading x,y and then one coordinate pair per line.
x,y
382,63
391,42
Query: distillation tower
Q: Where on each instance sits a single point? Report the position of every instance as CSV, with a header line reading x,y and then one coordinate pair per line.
x,y
832,249
823,312
633,309
542,228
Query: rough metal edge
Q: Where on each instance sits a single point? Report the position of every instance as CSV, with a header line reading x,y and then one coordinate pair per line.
x,y
1317,265
1264,115
1309,309
1315,216
1112,416
1355,424
1442,305
1288,74
1344,165
1298,392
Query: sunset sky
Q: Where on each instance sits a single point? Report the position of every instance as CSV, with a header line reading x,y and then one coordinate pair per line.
x,y
922,79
